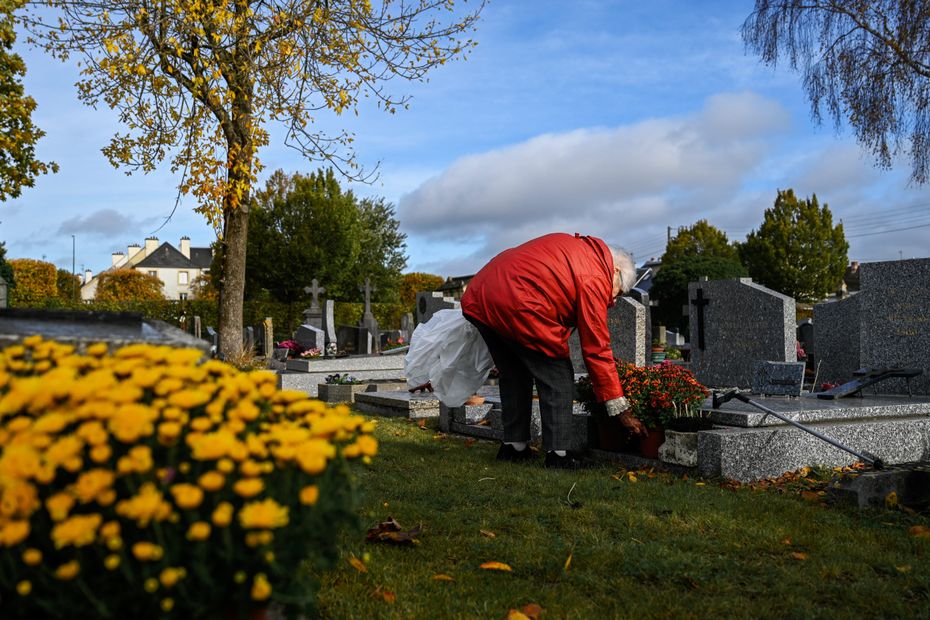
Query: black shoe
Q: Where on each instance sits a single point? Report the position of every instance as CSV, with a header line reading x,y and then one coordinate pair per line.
x,y
511,455
554,461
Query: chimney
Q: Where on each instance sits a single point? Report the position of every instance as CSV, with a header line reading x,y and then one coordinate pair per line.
x,y
117,258
186,246
854,266
132,250
88,275
151,244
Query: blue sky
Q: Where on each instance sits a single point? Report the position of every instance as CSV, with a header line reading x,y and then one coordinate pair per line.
x,y
613,118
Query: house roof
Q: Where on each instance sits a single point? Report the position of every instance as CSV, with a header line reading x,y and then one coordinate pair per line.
x,y
201,258
166,256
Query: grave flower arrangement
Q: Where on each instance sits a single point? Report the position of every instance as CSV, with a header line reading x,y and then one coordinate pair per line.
x,y
148,484
312,352
657,394
341,379
394,344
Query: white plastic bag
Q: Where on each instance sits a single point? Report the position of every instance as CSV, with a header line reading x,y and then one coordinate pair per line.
x,y
448,352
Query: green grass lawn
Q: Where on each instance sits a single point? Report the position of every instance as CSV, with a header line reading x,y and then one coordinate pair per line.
x,y
659,547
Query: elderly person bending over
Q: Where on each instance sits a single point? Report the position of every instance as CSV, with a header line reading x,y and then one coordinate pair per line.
x,y
525,303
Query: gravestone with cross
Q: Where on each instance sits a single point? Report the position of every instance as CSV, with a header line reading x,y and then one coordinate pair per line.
x,y
314,314
735,324
369,321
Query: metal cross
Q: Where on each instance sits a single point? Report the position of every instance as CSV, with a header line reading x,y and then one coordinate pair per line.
x,y
314,290
700,302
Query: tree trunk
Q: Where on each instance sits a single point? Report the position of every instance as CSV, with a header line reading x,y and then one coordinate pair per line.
x,y
236,235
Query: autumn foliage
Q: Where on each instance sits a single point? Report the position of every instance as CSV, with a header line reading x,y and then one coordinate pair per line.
x,y
36,281
413,283
128,285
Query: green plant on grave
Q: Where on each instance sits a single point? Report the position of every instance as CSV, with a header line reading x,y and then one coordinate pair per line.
x,y
343,379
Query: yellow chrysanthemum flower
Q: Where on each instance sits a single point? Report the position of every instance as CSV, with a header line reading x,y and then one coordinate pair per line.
x,y
147,505
309,495
98,349
24,587
93,483
187,496
248,487
32,557
198,531
13,532
111,562
147,551
93,433
68,570
18,499
258,539
110,529
19,461
167,604
78,531
59,505
189,399
150,585
261,589
212,481
222,515
266,514
131,422
101,454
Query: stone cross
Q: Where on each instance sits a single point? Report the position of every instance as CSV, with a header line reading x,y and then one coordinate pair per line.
x,y
367,289
315,291
699,303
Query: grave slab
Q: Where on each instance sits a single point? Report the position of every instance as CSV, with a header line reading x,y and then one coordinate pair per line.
x,y
868,489
309,382
778,378
398,404
803,410
748,454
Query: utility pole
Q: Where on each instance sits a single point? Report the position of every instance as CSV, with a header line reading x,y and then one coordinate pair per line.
x,y
669,234
73,283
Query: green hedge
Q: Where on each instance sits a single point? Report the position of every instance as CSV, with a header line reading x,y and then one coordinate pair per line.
x,y
285,317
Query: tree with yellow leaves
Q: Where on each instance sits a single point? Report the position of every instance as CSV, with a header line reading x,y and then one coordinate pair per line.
x,y
197,82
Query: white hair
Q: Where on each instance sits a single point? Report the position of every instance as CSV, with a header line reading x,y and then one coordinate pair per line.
x,y
624,261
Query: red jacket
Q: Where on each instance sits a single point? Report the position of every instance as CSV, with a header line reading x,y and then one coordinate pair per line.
x,y
537,292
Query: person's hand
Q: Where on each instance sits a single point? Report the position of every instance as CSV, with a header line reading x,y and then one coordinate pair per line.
x,y
426,387
633,425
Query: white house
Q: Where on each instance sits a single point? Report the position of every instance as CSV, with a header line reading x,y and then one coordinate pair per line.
x,y
177,268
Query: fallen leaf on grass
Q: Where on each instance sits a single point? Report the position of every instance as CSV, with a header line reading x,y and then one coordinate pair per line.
x,y
488,533
391,531
799,555
442,577
891,500
810,496
386,595
631,476
568,562
532,610
700,484
421,422
920,531
786,541
513,614
496,566
469,442
358,564
903,569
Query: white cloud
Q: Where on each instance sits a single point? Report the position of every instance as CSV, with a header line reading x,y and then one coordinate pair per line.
x,y
103,223
620,183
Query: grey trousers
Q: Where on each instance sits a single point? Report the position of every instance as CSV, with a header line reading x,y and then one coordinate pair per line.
x,y
519,368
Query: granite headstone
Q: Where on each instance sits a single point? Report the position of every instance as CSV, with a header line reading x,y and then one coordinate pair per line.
x,y
778,378
837,339
626,322
329,321
431,302
734,325
310,337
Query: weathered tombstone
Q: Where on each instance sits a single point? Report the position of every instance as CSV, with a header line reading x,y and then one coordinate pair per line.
x,y
268,336
778,378
280,354
431,302
364,342
673,338
4,289
248,338
406,326
734,325
837,340
259,333
643,297
314,314
346,338
329,321
310,337
197,328
368,320
626,322
895,320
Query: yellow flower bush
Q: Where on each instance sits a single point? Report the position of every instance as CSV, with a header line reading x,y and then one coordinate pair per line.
x,y
148,483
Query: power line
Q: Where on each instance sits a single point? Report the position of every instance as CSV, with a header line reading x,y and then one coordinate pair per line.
x,y
882,232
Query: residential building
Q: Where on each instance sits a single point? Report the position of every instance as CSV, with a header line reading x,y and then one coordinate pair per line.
x,y
177,268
